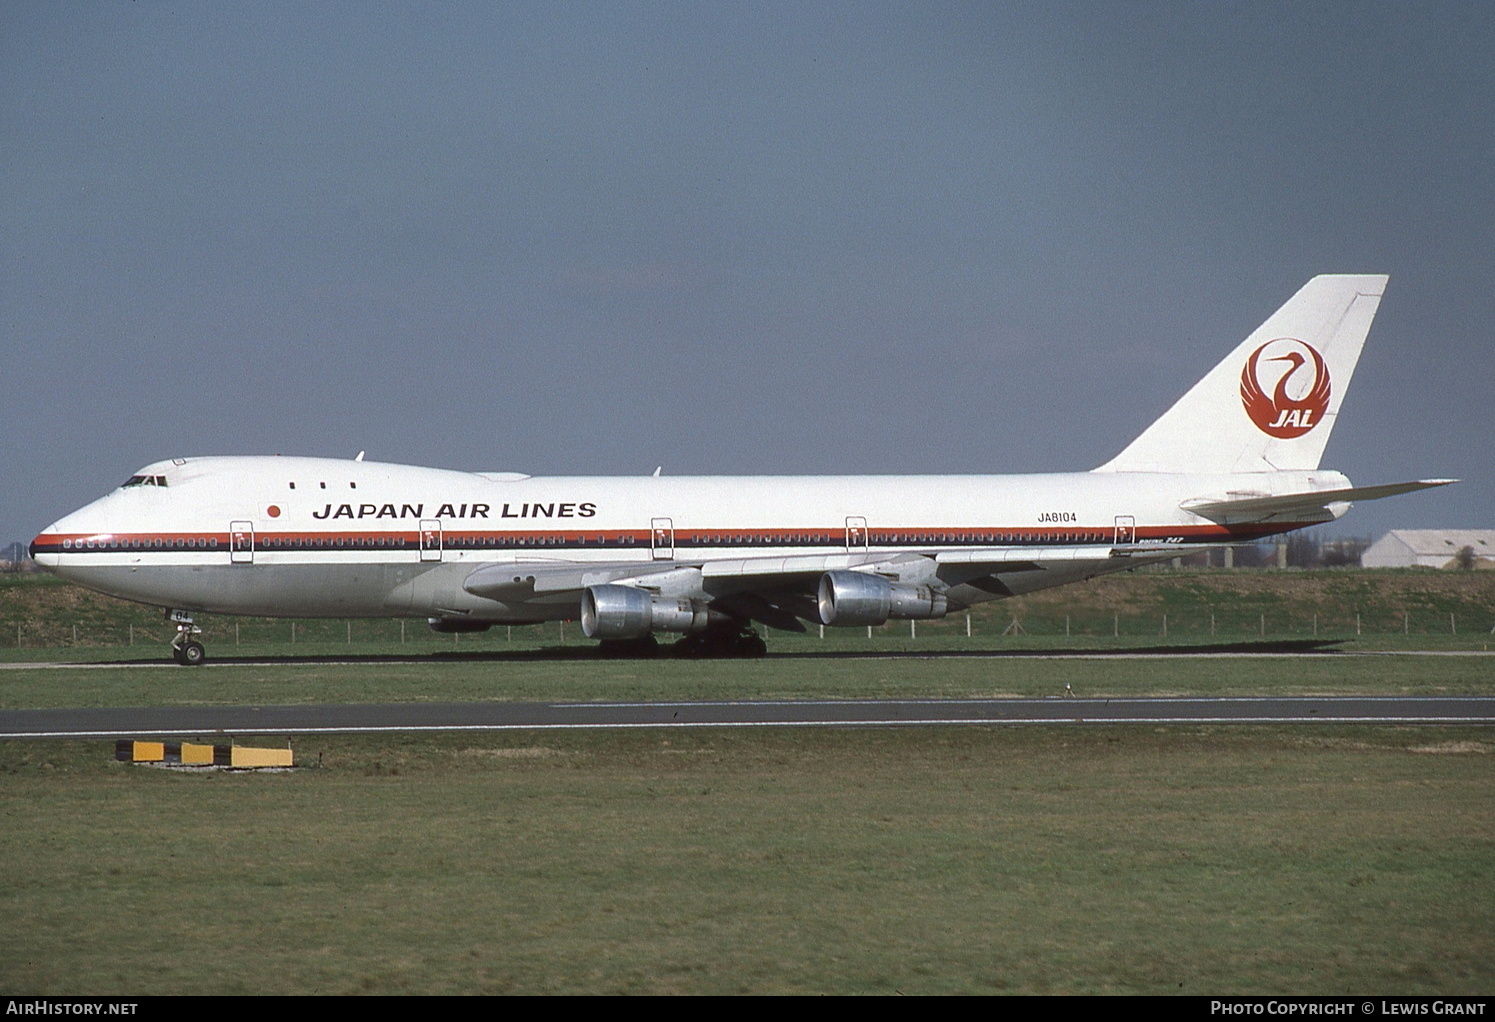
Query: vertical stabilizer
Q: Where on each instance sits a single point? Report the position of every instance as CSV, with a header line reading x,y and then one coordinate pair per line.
x,y
1271,404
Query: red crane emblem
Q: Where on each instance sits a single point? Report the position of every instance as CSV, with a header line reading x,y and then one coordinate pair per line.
x,y
1282,415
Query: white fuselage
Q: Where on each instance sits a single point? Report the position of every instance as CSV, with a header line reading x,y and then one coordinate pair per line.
x,y
310,537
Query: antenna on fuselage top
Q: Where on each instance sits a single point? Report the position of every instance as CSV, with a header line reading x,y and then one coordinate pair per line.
x,y
360,456
657,471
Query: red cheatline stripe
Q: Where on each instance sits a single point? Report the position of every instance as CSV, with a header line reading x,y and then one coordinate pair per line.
x,y
910,536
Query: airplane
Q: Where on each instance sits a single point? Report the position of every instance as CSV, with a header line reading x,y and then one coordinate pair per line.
x,y
709,557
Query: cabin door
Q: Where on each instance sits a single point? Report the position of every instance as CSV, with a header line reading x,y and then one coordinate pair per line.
x,y
662,539
430,539
241,542
856,535
1126,529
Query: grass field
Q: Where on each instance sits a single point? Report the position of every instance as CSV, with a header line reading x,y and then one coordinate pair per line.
x,y
576,675
1024,860
1141,859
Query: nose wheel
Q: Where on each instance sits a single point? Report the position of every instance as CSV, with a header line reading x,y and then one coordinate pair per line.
x,y
186,650
189,654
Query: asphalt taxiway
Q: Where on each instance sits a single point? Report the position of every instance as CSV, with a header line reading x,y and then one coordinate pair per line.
x,y
206,721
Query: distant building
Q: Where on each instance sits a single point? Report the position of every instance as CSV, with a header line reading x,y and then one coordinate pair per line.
x,y
1430,548
15,553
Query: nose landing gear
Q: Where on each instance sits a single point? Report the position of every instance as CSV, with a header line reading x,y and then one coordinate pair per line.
x,y
186,650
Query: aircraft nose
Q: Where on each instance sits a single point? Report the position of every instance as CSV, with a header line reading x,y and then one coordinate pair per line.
x,y
44,547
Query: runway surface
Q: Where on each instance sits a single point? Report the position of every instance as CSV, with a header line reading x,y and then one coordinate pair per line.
x,y
205,721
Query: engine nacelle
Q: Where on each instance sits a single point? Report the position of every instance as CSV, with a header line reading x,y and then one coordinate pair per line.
x,y
447,625
850,598
920,602
623,612
854,598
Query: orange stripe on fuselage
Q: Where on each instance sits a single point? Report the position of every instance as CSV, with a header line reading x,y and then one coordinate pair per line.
x,y
726,537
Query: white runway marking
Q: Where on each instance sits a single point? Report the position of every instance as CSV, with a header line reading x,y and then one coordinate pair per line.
x,y
1003,700
382,729
501,716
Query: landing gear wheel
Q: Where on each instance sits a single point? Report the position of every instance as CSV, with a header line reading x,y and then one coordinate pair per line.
x,y
186,650
734,641
751,646
689,647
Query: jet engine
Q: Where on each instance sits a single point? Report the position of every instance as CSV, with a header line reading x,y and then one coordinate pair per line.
x,y
623,612
857,598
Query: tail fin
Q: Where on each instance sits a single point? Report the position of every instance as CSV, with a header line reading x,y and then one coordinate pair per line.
x,y
1271,404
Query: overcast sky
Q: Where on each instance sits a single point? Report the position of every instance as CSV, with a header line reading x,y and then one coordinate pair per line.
x,y
727,238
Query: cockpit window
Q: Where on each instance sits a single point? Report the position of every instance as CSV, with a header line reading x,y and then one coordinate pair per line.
x,y
144,481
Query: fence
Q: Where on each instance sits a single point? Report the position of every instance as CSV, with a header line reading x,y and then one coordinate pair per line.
x,y
988,621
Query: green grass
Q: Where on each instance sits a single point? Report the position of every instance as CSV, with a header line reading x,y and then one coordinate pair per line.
x,y
1021,860
1197,860
578,675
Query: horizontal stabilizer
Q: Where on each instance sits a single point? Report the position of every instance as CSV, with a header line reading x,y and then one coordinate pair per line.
x,y
1300,506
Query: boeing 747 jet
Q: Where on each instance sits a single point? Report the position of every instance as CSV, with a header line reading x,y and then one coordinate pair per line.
x,y
706,557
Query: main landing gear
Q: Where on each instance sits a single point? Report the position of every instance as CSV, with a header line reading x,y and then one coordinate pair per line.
x,y
733,639
186,650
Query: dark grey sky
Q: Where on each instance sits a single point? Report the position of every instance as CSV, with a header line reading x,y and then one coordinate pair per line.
x,y
728,238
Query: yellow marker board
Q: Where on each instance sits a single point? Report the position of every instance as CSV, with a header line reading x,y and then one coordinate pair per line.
x,y
244,757
197,755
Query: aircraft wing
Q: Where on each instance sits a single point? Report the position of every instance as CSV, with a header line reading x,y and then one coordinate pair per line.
x,y
518,580
1028,558
780,591
1297,507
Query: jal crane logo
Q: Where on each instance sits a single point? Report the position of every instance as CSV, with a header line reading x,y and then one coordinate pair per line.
x,y
1300,394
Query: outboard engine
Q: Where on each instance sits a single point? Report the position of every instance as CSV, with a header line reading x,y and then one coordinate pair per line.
x,y
624,612
849,598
